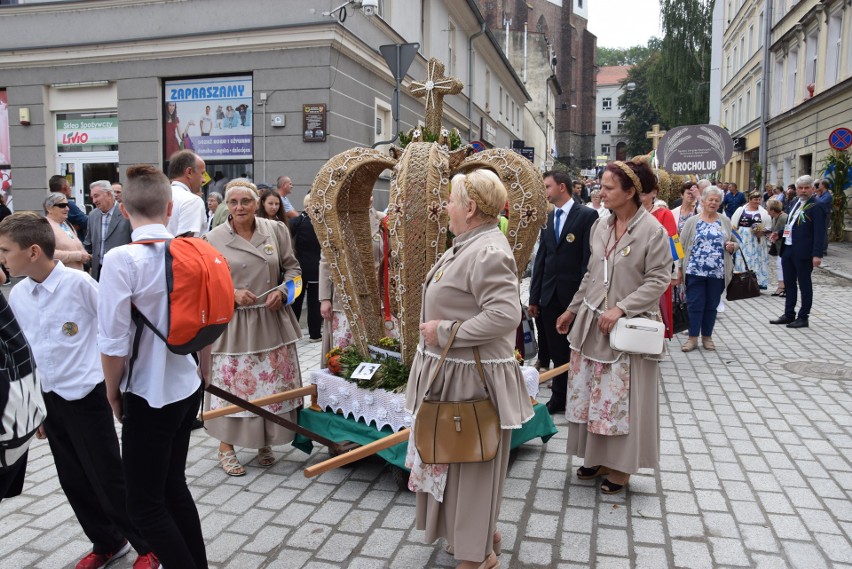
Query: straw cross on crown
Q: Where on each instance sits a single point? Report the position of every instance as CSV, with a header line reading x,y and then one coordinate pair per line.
x,y
433,89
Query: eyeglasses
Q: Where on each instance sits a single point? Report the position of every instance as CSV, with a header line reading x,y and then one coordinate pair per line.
x,y
61,205
246,202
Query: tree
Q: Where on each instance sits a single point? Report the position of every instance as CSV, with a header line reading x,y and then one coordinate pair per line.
x,y
679,81
639,112
626,55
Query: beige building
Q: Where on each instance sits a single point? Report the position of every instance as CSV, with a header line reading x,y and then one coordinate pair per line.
x,y
810,81
742,85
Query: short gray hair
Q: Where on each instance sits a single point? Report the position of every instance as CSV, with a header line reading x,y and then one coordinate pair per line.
x,y
241,185
104,185
804,181
216,196
52,199
711,191
703,184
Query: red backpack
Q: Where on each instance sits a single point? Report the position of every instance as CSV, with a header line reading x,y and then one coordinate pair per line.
x,y
201,296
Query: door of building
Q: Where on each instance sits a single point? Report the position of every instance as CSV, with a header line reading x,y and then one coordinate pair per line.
x,y
83,168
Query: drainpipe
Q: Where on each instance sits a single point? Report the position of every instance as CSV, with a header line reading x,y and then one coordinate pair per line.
x,y
764,104
525,53
470,80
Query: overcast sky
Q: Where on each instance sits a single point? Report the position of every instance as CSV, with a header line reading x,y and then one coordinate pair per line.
x,y
624,23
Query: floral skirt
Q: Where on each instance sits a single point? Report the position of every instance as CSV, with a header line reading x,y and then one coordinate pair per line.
x,y
250,376
599,394
755,251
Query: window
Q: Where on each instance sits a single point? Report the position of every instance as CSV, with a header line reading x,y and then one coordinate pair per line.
x,y
748,106
500,101
606,103
606,127
619,126
792,73
740,112
760,30
810,62
832,55
605,149
750,44
384,121
512,116
487,90
777,82
727,76
736,59
806,163
725,123
742,51
734,125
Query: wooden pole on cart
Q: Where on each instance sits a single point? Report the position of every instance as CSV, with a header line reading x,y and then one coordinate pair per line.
x,y
389,441
262,401
357,454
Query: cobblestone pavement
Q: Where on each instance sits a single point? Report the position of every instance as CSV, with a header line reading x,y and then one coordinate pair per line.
x,y
756,440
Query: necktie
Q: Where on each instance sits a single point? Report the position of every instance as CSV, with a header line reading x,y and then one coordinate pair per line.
x,y
556,228
104,228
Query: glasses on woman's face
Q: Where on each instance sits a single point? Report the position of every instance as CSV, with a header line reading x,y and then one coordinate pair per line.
x,y
63,205
245,202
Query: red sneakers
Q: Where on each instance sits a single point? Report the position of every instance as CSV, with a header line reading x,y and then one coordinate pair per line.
x,y
147,561
101,560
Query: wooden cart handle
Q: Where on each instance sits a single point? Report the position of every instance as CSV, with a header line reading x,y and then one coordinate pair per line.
x,y
357,454
262,401
553,372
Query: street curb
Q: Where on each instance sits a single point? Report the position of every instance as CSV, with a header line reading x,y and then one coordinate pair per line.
x,y
837,272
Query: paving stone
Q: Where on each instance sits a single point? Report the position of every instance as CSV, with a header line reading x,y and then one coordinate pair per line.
x,y
650,558
728,552
690,554
382,543
803,555
684,526
575,547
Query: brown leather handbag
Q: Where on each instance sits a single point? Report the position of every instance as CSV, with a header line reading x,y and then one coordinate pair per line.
x,y
448,432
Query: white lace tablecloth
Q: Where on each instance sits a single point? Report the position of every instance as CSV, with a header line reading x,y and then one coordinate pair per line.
x,y
378,406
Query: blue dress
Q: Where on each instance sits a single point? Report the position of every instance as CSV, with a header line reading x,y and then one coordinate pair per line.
x,y
754,246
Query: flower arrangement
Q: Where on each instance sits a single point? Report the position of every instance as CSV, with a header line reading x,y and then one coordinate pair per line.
x,y
837,169
391,376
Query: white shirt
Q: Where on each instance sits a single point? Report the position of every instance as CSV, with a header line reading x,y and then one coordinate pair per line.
x,y
188,212
560,223
791,220
287,205
137,274
59,318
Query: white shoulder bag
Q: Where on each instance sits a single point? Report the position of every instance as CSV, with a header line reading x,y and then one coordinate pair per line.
x,y
634,335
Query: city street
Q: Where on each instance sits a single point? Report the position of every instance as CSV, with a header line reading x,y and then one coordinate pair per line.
x,y
756,442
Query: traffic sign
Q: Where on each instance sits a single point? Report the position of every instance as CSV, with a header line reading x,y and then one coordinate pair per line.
x,y
840,138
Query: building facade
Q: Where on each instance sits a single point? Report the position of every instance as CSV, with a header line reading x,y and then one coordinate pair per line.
x,y
742,78
549,45
265,88
810,81
610,138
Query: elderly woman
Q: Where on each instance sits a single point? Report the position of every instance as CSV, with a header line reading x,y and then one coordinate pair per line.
x,y
613,406
256,355
474,283
595,203
707,241
779,219
752,223
69,249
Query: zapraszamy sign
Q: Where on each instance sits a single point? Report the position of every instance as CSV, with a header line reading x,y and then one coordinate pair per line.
x,y
695,149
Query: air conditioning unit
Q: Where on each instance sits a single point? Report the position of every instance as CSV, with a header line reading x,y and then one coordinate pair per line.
x,y
740,144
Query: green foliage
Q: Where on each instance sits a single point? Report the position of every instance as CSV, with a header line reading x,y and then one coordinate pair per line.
x,y
391,376
626,55
837,169
639,112
679,81
428,136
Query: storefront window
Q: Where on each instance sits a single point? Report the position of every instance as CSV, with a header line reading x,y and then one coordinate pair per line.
x,y
95,131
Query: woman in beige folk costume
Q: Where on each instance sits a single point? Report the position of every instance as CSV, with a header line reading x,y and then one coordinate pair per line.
x,y
475,283
613,407
256,355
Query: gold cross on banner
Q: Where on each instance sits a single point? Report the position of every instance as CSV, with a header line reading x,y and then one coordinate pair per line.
x,y
655,134
433,90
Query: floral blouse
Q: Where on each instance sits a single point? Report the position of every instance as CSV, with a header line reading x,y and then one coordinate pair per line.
x,y
708,251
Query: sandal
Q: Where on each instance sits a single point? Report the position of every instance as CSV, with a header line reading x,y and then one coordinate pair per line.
x,y
265,457
497,547
608,487
778,292
591,472
229,463
782,294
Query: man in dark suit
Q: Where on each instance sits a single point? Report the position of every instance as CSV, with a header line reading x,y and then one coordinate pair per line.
x,y
563,255
107,227
307,248
804,241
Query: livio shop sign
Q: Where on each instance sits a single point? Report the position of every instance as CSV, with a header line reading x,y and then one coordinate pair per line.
x,y
86,132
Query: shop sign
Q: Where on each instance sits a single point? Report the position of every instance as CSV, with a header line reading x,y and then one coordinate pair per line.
x,y
489,133
695,149
86,132
211,116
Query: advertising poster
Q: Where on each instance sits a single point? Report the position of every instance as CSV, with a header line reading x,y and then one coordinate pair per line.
x,y
211,116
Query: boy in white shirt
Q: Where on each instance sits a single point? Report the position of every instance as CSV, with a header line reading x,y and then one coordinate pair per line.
x,y
163,394
56,308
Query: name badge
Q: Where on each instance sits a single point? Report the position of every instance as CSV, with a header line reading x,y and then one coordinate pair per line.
x,y
788,229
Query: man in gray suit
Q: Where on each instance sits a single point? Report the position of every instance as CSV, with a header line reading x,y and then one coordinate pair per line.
x,y
107,227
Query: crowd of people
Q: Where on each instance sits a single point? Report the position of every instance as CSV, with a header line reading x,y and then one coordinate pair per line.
x,y
617,256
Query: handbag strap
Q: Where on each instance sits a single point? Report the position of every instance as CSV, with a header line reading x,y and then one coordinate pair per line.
x,y
740,251
453,331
